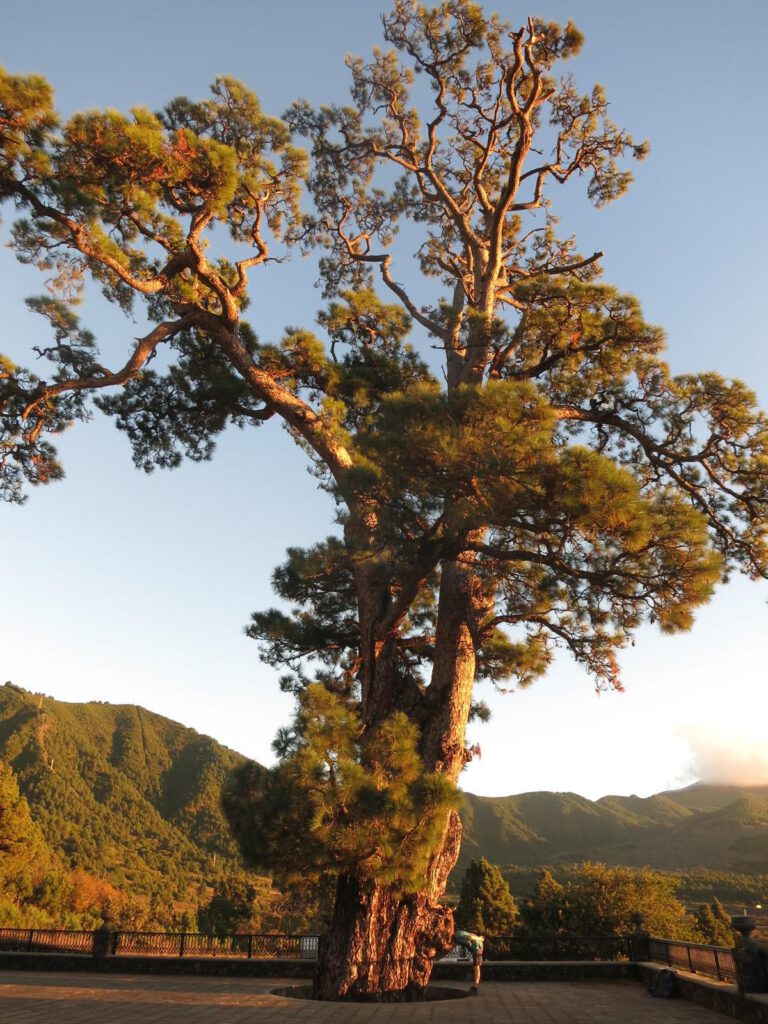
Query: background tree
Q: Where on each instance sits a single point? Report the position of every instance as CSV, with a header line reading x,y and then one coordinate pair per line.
x,y
485,905
599,901
233,907
551,484
714,924
24,855
543,913
35,887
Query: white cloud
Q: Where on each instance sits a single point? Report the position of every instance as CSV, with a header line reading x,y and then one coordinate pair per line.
x,y
729,754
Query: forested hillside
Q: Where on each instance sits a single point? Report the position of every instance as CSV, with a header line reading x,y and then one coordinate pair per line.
x,y
722,828
112,804
122,795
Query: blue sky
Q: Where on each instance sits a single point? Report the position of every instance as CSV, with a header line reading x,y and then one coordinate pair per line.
x,y
130,588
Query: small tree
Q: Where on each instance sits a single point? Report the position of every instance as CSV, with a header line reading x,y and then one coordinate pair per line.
x,y
486,906
542,914
714,924
232,907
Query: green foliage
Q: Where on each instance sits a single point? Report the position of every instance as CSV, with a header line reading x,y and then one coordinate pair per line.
x,y
125,811
24,856
342,799
600,901
710,836
485,906
714,925
732,886
232,907
128,201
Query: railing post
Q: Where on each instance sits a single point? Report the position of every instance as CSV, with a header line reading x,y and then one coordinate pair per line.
x,y
250,946
103,937
750,958
31,940
639,940
182,943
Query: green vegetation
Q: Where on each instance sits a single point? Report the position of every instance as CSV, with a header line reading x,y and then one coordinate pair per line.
x,y
588,900
121,809
691,887
698,831
713,925
485,906
341,800
600,901
237,905
594,900
126,808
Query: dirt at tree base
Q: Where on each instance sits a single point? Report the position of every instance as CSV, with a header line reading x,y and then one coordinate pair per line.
x,y
412,994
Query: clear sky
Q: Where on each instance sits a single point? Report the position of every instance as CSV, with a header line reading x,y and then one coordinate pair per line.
x,y
129,588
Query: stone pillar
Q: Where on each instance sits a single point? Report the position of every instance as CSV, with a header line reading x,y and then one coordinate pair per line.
x,y
751,958
104,937
639,940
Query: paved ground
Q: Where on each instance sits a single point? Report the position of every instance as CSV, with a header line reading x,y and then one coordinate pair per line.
x,y
48,998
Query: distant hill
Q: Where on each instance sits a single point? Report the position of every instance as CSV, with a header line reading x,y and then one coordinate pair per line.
x,y
120,792
723,828
133,797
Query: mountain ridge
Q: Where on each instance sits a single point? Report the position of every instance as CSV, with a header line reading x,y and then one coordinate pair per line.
x,y
134,797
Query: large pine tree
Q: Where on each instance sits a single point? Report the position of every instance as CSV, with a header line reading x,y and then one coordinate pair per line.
x,y
549,485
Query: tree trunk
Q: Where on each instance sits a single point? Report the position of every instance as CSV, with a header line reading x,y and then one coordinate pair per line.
x,y
381,943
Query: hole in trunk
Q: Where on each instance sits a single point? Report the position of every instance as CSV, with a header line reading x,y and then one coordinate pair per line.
x,y
407,995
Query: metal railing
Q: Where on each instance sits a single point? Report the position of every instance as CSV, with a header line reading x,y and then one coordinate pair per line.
x,y
181,944
45,940
195,944
712,961
558,947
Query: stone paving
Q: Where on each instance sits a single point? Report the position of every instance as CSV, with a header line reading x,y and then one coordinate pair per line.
x,y
52,998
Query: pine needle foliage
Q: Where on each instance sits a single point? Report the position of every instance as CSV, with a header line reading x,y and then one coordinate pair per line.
x,y
342,799
486,906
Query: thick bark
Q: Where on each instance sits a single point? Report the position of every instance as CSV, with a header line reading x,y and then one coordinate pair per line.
x,y
383,943
453,671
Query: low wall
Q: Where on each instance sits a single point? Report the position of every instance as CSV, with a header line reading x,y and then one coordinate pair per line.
x,y
203,966
714,995
545,970
537,970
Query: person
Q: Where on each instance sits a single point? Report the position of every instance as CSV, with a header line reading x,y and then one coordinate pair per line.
x,y
474,946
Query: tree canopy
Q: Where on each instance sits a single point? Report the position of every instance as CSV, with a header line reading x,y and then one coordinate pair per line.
x,y
551,484
597,901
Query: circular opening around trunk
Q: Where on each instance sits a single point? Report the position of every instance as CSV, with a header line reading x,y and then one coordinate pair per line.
x,y
432,993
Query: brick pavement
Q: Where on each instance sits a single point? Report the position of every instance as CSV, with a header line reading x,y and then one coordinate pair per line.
x,y
48,998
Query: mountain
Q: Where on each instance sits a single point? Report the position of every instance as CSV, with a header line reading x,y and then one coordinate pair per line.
x,y
133,798
723,828
120,792
702,796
